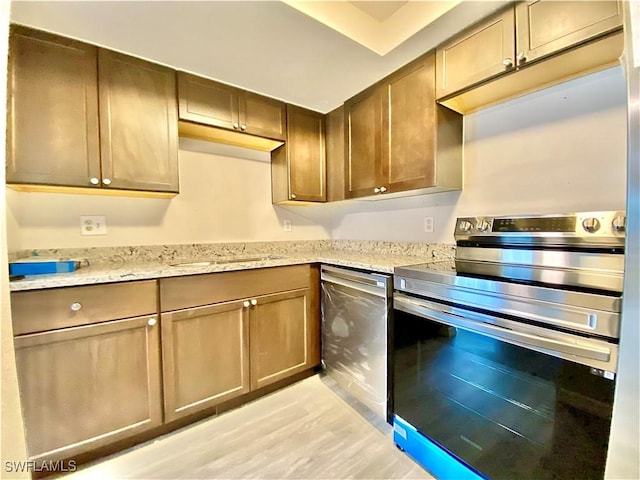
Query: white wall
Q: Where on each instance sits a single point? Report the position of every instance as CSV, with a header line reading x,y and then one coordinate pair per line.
x,y
559,150
12,440
223,199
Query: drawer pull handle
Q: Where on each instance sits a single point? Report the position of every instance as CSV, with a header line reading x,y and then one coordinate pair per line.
x,y
246,304
76,306
151,322
254,302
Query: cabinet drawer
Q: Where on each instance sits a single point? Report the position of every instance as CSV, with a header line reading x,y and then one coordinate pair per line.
x,y
191,291
42,310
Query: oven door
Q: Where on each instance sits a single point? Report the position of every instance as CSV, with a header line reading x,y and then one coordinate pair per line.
x,y
508,399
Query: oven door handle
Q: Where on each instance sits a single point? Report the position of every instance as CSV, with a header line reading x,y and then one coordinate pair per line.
x,y
477,322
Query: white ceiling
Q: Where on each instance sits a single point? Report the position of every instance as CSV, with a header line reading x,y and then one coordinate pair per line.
x,y
380,26
264,46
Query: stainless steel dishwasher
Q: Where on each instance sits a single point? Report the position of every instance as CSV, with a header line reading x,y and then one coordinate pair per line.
x,y
356,309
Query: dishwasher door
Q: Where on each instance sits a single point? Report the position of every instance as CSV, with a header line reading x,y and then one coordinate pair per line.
x,y
356,310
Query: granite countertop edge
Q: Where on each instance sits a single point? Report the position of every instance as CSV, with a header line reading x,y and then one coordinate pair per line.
x,y
125,271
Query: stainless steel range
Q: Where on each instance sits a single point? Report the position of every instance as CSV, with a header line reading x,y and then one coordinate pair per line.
x,y
505,359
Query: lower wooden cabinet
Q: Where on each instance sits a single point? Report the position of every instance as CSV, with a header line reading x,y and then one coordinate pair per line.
x,y
89,386
284,337
205,354
239,342
89,358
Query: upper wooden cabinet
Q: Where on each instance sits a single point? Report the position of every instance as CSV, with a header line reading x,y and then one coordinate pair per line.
x,y
85,117
211,103
52,112
138,123
572,38
363,143
334,140
298,167
399,139
204,101
480,53
545,27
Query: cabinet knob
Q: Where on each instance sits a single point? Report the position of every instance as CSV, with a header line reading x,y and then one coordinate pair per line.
x,y
76,306
243,127
383,189
521,58
246,304
151,322
94,180
507,62
235,125
106,181
292,196
376,190
254,302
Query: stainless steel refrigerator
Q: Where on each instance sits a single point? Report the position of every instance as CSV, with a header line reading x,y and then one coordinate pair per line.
x,y
623,461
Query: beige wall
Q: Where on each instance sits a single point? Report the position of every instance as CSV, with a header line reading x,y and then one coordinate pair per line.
x,y
558,150
562,149
223,198
12,441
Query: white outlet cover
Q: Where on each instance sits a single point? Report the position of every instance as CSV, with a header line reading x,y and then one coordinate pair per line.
x,y
428,224
287,225
93,225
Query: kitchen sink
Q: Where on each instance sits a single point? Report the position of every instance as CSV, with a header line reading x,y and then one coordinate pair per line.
x,y
223,261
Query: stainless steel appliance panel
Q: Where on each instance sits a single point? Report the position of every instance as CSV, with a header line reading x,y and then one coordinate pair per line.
x,y
355,316
602,271
598,229
586,351
508,411
579,312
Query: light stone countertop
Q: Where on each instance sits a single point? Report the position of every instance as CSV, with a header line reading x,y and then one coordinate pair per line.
x,y
123,271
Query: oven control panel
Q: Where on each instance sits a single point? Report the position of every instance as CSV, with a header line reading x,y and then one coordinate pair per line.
x,y
586,227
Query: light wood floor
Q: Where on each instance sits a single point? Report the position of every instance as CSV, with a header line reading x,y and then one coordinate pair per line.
x,y
305,431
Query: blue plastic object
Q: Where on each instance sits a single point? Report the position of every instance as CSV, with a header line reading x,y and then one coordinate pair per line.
x,y
41,267
440,463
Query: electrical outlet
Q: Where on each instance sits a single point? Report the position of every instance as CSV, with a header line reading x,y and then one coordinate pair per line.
x,y
428,224
93,225
287,225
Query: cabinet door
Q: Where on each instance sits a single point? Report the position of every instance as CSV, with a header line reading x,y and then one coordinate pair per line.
x,y
546,27
409,127
305,144
334,127
284,337
363,130
207,102
85,387
205,357
138,124
476,55
262,116
53,134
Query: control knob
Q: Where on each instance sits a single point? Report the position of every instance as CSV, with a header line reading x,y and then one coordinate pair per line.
x,y
465,226
618,224
482,225
591,224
